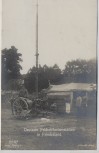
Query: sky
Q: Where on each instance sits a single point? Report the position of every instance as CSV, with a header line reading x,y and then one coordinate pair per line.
x,y
66,30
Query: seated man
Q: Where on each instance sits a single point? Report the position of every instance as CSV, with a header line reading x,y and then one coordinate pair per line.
x,y
23,92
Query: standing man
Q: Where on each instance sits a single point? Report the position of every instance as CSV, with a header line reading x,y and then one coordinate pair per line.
x,y
78,105
84,105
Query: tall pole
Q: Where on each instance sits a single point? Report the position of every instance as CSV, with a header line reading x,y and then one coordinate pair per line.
x,y
37,54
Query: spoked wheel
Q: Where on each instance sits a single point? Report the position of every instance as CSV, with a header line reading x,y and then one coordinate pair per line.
x,y
20,108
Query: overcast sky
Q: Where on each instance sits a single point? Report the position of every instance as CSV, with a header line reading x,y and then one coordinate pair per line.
x,y
67,30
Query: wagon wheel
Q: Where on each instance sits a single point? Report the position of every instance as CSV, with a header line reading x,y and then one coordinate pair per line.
x,y
20,108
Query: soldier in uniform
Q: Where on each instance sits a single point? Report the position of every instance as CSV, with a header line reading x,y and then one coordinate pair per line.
x,y
78,105
84,105
23,91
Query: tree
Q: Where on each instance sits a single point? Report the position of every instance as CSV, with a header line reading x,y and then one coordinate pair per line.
x,y
29,79
11,67
80,71
54,74
45,74
92,67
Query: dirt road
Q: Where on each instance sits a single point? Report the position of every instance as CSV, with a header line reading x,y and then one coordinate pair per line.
x,y
58,133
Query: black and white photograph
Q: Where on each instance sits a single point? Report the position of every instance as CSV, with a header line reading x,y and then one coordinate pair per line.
x,y
49,75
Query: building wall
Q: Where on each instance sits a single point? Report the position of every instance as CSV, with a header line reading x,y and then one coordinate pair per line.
x,y
61,101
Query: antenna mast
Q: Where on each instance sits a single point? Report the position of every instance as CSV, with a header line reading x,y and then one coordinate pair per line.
x,y
37,54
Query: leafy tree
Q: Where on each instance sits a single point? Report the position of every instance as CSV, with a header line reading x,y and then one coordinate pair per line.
x,y
53,74
92,73
11,67
45,74
29,79
80,71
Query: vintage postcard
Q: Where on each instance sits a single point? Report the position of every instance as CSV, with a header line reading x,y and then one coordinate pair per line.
x,y
49,75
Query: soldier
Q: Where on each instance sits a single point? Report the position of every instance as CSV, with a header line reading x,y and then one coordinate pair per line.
x,y
23,91
84,105
78,105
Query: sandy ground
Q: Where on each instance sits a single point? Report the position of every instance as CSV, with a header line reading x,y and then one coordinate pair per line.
x,y
79,134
